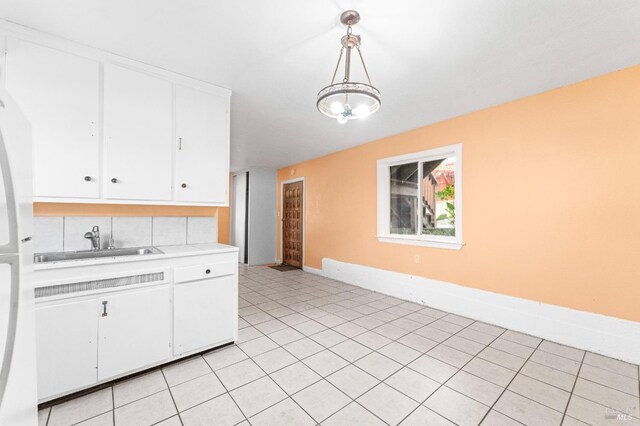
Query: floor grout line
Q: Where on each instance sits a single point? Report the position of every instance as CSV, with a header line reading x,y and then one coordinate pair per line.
x,y
171,395
285,392
507,387
564,414
446,381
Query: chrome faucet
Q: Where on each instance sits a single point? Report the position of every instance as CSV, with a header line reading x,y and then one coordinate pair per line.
x,y
94,236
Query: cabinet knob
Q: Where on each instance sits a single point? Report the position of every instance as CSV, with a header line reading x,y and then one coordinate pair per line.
x,y
87,178
208,271
184,185
114,180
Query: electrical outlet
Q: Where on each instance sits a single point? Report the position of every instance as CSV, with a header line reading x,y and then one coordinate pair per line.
x,y
416,258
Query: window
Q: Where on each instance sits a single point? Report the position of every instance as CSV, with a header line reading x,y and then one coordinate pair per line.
x,y
420,198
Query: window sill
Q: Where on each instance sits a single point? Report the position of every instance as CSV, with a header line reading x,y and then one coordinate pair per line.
x,y
392,239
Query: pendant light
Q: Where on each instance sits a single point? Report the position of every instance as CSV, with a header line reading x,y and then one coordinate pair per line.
x,y
349,100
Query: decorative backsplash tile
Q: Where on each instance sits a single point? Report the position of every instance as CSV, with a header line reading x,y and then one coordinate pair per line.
x,y
54,234
202,230
132,231
48,234
168,231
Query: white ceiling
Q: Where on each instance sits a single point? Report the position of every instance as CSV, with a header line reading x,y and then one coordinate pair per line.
x,y
431,59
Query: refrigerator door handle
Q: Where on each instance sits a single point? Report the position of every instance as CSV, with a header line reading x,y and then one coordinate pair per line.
x,y
10,246
12,320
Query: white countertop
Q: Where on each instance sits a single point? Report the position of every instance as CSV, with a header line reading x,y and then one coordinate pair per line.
x,y
167,252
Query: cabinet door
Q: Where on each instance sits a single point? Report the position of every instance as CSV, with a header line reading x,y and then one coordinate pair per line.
x,y
135,331
138,117
67,347
58,92
202,151
204,313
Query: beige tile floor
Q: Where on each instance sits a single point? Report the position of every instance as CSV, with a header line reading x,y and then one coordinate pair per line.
x,y
317,351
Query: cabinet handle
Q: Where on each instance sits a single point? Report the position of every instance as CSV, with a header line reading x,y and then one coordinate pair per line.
x,y
87,178
104,308
208,271
179,144
114,180
184,185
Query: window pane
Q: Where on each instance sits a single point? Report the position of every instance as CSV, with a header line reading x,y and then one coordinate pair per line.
x,y
438,197
404,199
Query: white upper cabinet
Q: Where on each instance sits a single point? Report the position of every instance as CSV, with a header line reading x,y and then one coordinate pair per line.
x,y
59,94
202,146
138,114
107,129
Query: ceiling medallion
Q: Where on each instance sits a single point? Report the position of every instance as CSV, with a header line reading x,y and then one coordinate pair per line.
x,y
349,100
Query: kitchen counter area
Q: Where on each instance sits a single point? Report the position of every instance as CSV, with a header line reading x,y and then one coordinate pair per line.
x,y
100,319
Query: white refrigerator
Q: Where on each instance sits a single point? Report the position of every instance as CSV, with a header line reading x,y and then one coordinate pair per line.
x,y
18,396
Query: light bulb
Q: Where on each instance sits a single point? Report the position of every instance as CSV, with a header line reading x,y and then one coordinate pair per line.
x,y
342,119
361,111
336,107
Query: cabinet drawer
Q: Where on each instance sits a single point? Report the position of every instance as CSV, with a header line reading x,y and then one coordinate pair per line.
x,y
207,270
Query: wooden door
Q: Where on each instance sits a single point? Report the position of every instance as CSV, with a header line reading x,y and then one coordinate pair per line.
x,y
292,224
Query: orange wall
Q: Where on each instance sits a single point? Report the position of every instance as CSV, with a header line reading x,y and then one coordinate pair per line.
x,y
563,171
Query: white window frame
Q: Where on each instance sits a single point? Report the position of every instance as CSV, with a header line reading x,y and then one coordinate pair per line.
x,y
384,197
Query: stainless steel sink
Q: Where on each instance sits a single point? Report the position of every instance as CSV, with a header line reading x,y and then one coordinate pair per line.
x,y
93,254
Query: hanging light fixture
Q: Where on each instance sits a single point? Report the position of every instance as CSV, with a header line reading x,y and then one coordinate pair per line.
x,y
349,100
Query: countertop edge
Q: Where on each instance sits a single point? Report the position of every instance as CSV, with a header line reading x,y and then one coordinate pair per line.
x,y
189,250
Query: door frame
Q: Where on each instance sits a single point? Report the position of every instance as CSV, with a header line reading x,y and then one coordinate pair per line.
x,y
304,218
247,223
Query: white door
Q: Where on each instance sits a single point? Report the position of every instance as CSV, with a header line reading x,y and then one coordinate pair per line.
x,y
239,214
202,149
59,94
67,346
203,314
135,331
138,117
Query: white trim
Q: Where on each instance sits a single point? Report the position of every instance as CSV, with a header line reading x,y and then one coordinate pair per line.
x,y
406,239
609,336
383,195
127,202
311,270
304,218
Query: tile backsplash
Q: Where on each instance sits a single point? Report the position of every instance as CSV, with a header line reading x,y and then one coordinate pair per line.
x,y
54,234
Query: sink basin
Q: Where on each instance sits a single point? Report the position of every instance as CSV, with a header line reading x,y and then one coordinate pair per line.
x,y
90,254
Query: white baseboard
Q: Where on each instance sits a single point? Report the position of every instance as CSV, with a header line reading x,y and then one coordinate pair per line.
x,y
312,270
613,337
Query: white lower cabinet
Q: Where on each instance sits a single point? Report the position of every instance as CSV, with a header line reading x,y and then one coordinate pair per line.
x,y
87,339
204,313
135,331
67,346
